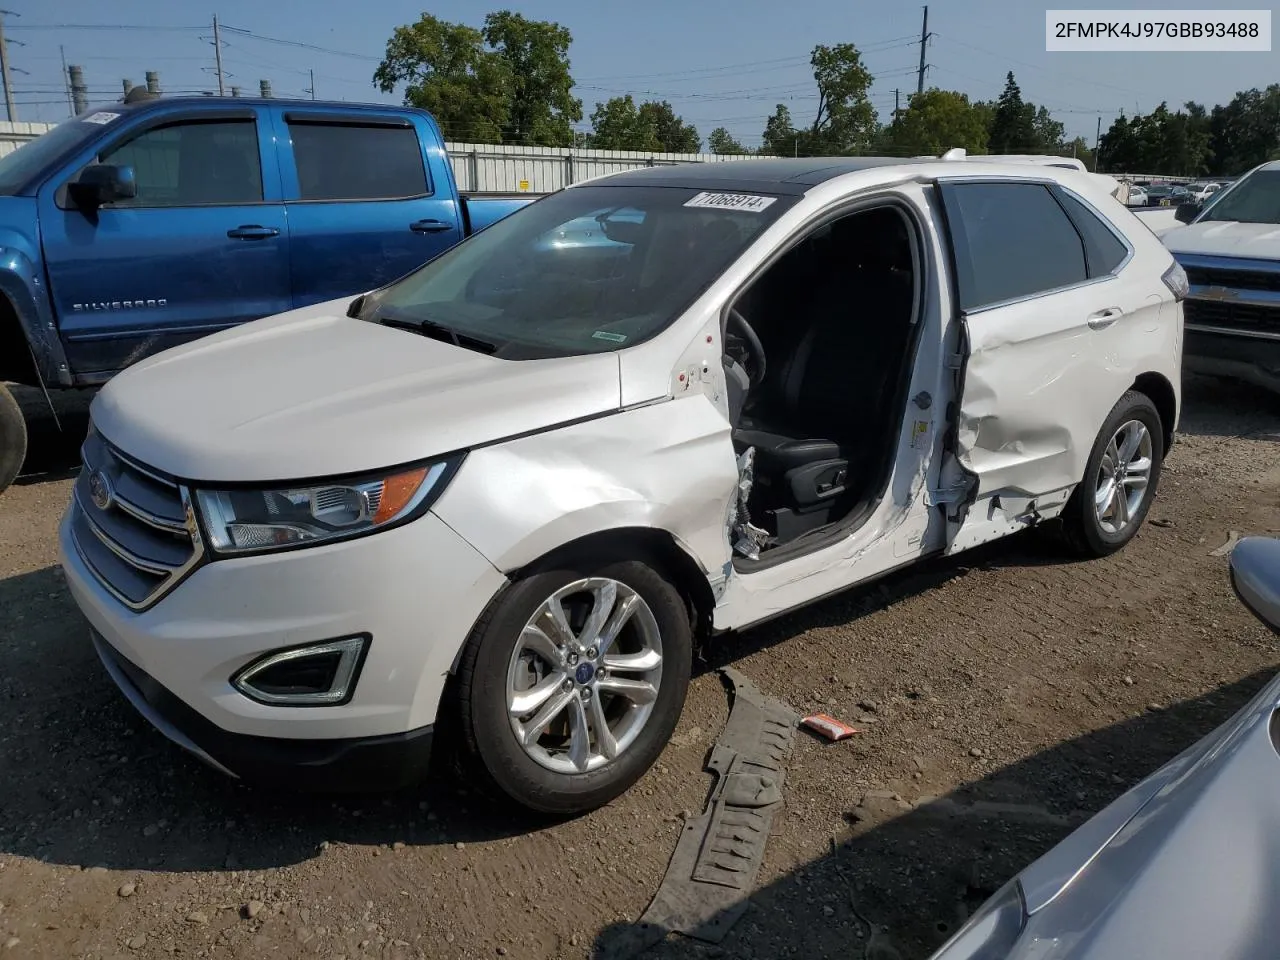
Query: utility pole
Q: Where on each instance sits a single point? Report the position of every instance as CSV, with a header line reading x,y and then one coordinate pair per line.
x,y
313,84
924,39
895,103
153,82
79,92
264,89
217,54
1097,142
66,80
10,110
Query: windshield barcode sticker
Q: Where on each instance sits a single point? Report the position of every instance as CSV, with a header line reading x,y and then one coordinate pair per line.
x,y
731,201
611,337
102,117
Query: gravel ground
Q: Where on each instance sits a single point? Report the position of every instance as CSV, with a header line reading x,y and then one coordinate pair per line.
x,y
1024,691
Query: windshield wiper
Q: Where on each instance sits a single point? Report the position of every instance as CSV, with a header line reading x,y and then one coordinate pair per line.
x,y
439,331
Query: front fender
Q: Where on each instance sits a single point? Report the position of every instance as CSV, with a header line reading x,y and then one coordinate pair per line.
x,y
669,466
22,283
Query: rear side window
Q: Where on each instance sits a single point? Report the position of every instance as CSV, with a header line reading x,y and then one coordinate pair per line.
x,y
349,162
191,163
1011,240
1104,250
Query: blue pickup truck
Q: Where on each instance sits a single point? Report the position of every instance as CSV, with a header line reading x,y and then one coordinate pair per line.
x,y
135,227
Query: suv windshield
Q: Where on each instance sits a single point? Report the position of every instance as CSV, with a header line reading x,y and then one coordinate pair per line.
x,y
585,270
17,169
1255,199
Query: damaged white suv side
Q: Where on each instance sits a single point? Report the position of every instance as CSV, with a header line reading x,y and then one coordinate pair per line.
x,y
499,498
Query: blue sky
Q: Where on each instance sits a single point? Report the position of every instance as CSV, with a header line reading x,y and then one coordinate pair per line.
x,y
719,64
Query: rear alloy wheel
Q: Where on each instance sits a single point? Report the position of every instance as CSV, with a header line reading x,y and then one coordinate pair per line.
x,y
13,438
1120,480
573,682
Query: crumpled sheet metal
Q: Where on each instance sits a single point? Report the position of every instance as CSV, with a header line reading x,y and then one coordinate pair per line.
x,y
719,853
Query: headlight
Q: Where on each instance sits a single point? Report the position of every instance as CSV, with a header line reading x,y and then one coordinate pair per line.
x,y
250,521
991,932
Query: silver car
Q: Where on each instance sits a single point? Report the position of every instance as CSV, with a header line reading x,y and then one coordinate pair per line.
x,y
1185,864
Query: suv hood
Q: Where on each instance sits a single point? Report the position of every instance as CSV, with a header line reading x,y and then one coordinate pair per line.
x,y
1226,238
313,393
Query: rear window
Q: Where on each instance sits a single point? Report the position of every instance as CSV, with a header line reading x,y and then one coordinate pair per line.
x,y
350,162
1105,251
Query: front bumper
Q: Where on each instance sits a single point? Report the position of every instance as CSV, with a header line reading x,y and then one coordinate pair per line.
x,y
1254,360
416,590
359,763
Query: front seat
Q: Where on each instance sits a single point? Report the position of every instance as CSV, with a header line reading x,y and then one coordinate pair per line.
x,y
825,405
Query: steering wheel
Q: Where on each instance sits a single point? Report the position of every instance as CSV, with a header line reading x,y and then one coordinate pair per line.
x,y
755,364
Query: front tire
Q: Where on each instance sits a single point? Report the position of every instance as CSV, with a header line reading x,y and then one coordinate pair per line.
x,y
13,438
1120,480
573,681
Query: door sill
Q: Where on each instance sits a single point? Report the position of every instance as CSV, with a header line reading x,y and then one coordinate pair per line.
x,y
811,542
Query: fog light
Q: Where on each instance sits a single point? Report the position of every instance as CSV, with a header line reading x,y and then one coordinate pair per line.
x,y
315,675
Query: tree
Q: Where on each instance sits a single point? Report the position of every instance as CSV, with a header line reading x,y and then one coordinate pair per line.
x,y
1012,126
447,71
721,141
845,119
542,108
935,121
618,124
1171,143
506,82
844,122
672,133
780,137
1246,131
1048,134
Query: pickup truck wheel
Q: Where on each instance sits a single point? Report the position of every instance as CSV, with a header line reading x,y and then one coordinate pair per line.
x,y
1120,480
573,682
13,438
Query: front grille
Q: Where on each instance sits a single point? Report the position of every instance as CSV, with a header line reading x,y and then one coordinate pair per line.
x,y
131,525
1234,279
1245,317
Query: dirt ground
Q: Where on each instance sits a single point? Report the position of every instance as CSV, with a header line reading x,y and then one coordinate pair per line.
x,y
1025,690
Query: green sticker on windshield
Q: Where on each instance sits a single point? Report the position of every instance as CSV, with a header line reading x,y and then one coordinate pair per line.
x,y
611,337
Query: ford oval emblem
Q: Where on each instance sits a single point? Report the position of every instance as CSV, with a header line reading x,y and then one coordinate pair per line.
x,y
100,490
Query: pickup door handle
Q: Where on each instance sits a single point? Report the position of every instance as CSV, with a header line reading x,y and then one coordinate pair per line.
x,y
1104,318
252,231
429,226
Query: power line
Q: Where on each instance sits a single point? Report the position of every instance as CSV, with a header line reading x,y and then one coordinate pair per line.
x,y
299,43
104,26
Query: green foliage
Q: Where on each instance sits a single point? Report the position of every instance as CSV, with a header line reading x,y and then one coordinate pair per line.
x,y
1013,126
721,141
618,124
1171,143
935,121
1246,131
845,121
507,82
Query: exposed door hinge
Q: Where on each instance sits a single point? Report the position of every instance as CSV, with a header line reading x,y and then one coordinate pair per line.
x,y
955,361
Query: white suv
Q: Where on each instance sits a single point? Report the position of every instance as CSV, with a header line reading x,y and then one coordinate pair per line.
x,y
504,494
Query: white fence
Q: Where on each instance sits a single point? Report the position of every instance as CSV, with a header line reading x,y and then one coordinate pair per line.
x,y
15,134
487,167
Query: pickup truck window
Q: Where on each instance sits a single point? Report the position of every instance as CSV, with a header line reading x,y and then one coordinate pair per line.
x,y
1012,240
20,167
585,270
349,162
1103,249
192,162
1255,199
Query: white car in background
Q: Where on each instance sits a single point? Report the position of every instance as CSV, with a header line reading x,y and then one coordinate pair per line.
x,y
1137,197
501,497
1200,192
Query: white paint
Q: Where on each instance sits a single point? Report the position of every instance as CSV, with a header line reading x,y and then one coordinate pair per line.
x,y
637,438
101,118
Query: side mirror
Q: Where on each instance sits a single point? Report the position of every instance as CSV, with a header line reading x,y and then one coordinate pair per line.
x,y
1255,575
1186,212
102,183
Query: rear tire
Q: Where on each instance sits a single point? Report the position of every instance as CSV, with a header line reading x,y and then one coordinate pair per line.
x,y
1120,480
13,438
530,716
